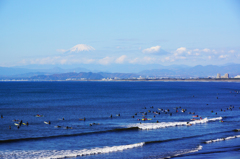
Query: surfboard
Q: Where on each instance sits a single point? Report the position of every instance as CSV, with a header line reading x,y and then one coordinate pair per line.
x,y
38,115
16,124
46,122
24,123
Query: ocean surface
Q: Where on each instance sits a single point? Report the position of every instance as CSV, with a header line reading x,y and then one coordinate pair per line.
x,y
168,130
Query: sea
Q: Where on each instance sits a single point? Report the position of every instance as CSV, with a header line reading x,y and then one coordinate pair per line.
x,y
137,120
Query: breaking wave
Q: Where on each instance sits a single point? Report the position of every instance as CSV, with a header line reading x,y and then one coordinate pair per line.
x,y
54,154
222,139
147,126
183,152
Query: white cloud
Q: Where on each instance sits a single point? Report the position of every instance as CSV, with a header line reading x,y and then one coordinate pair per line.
x,y
133,61
61,50
105,61
231,51
206,50
57,60
196,50
214,51
181,50
78,48
197,54
121,59
152,49
222,56
209,57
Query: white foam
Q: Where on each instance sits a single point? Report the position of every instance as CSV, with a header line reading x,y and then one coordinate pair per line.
x,y
182,152
222,139
146,126
53,154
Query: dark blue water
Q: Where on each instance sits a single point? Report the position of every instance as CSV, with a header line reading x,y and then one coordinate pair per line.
x,y
101,136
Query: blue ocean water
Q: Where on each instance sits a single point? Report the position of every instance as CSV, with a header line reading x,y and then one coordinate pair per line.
x,y
125,134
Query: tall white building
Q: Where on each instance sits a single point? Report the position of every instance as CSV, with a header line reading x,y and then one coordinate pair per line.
x,y
225,76
218,75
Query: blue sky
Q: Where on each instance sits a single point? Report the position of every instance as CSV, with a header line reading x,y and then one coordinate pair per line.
x,y
95,34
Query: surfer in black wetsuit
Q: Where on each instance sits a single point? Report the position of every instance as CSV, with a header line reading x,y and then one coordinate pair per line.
x,y
20,123
27,124
84,119
1,116
49,122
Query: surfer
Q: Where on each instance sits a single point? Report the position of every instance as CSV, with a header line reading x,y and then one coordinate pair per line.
x,y
111,116
1,116
62,118
157,121
20,123
84,119
27,124
49,122
9,127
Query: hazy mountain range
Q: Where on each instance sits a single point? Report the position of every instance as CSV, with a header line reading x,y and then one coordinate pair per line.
x,y
173,71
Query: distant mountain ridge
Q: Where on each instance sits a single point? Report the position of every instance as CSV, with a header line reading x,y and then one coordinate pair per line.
x,y
68,76
173,71
196,71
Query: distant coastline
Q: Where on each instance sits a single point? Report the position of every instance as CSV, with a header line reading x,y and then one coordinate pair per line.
x,y
136,80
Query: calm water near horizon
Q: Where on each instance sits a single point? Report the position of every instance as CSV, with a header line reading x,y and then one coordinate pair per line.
x,y
125,134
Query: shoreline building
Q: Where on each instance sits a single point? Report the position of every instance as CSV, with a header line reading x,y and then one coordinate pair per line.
x,y
225,76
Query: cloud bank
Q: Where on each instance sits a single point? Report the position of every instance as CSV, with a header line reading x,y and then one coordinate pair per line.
x,y
152,49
